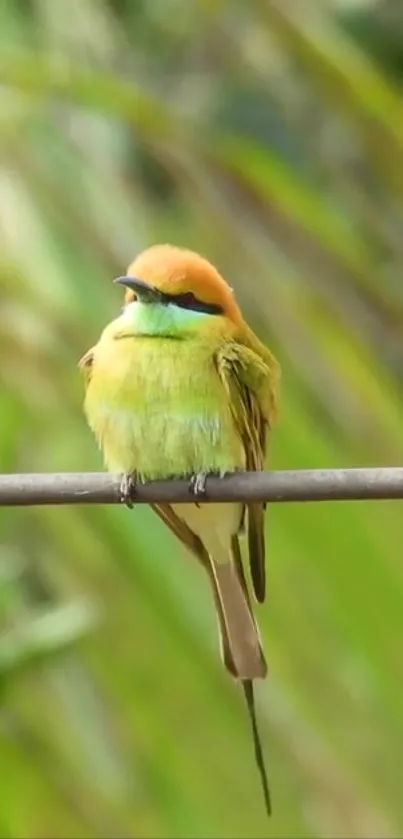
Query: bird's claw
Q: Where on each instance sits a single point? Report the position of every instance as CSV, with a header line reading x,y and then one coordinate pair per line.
x,y
197,484
128,487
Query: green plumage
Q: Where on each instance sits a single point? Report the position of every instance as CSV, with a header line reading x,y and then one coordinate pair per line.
x,y
157,406
171,392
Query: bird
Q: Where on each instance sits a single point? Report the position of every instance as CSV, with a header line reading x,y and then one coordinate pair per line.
x,y
179,385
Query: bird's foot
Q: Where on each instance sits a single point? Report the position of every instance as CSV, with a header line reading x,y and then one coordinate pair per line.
x,y
197,485
128,486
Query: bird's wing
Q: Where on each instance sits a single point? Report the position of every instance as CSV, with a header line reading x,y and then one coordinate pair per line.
x,y
250,382
85,364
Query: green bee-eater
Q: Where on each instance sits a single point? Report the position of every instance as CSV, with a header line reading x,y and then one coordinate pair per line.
x,y
179,385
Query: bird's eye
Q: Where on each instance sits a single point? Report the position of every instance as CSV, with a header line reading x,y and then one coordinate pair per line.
x,y
186,300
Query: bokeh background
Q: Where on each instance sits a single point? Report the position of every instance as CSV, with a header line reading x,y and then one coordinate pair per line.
x,y
268,136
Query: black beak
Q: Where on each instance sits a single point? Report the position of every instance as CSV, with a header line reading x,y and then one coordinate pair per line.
x,y
146,293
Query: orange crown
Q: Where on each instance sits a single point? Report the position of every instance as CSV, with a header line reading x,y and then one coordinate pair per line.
x,y
175,270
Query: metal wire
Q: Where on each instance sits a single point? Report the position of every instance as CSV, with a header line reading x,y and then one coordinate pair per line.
x,y
284,486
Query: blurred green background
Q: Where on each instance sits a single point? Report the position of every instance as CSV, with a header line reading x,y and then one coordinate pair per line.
x,y
268,136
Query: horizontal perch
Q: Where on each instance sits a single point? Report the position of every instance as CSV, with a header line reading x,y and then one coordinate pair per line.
x,y
296,485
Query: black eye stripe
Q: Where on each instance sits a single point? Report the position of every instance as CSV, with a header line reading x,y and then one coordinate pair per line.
x,y
189,301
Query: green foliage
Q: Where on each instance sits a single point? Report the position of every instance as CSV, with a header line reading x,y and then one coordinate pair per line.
x,y
267,138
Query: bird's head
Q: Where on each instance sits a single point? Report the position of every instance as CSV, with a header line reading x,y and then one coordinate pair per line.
x,y
171,291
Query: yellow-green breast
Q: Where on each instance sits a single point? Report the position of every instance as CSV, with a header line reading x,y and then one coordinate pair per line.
x,y
157,406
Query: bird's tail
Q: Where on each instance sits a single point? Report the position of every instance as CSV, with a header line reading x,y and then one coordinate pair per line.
x,y
240,642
